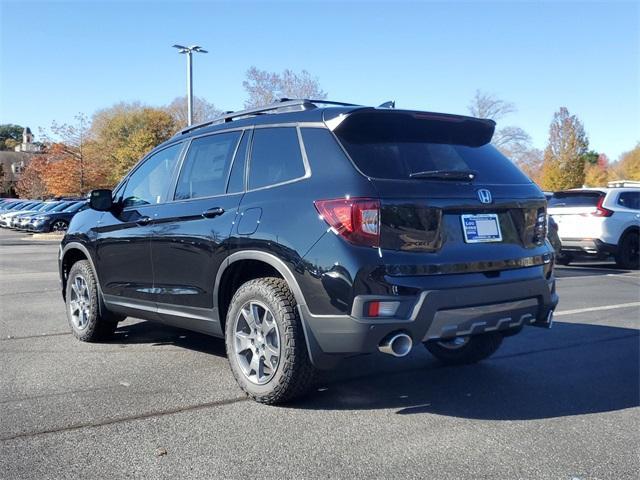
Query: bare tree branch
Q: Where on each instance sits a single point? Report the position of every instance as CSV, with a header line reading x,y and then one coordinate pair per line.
x,y
265,87
485,105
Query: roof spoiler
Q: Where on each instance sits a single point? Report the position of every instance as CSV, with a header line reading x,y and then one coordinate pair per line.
x,y
380,125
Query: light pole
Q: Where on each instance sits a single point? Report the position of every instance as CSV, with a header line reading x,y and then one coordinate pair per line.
x,y
189,51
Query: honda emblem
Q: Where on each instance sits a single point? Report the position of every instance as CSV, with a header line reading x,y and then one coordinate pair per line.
x,y
484,196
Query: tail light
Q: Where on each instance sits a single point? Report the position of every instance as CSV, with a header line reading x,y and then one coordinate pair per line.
x,y
540,230
355,219
600,210
381,309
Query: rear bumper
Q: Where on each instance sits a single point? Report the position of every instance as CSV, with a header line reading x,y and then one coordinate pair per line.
x,y
592,246
435,314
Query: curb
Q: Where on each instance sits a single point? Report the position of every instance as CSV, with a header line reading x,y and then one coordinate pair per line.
x,y
44,236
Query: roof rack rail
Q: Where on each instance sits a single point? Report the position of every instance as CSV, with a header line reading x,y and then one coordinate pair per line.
x,y
280,106
283,104
323,102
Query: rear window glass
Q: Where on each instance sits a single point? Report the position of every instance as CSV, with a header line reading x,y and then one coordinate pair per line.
x,y
397,146
629,200
575,199
275,157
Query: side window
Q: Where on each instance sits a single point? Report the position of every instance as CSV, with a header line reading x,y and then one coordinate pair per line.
x,y
149,183
205,168
275,156
629,200
236,177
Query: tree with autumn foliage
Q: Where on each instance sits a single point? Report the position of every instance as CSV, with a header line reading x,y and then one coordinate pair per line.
x,y
596,174
32,182
628,166
202,111
564,157
69,170
124,133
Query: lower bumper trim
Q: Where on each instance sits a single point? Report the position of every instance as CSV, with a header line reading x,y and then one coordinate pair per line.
x,y
458,322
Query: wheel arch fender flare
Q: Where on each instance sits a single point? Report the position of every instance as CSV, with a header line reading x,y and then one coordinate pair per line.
x,y
85,251
630,229
267,258
318,358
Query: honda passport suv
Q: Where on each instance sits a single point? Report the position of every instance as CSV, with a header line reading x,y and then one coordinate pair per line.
x,y
305,232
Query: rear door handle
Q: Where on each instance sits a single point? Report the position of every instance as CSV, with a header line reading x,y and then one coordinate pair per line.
x,y
143,221
213,212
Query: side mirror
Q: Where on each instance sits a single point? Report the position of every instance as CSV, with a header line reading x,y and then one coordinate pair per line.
x,y
101,200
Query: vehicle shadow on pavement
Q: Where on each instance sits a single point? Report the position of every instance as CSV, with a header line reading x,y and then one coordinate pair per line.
x,y
158,335
583,369
573,369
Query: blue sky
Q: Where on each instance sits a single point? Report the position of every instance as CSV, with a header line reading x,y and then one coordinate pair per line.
x,y
60,58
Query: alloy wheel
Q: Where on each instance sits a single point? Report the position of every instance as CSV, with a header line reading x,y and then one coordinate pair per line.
x,y
80,302
59,226
256,342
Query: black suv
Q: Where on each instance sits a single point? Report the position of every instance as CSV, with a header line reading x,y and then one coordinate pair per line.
x,y
305,232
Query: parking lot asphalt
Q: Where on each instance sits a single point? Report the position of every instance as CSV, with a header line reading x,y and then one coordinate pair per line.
x,y
159,402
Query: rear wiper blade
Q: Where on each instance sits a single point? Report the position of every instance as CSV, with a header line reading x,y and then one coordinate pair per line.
x,y
468,175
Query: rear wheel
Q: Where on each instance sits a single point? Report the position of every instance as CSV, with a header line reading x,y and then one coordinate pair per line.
x,y
465,350
628,255
265,342
88,321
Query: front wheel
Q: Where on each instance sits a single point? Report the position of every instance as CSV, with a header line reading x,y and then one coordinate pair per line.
x,y
465,350
88,321
628,255
265,342
59,226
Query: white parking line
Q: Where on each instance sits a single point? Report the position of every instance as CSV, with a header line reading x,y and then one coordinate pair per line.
x,y
628,274
596,309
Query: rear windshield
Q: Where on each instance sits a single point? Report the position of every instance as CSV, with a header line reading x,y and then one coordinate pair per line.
x,y
575,199
399,145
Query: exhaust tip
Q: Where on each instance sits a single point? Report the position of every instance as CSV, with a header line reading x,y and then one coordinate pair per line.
x,y
396,344
550,319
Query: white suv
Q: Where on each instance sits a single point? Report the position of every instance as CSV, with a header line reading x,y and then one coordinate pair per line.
x,y
598,221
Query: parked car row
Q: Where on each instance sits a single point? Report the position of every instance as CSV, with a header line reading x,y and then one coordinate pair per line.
x,y
597,222
39,216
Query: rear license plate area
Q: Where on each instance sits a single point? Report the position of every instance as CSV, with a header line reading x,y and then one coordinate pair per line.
x,y
481,228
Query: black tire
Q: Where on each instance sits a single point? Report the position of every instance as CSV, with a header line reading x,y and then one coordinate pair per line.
x,y
476,348
294,373
628,255
564,259
98,324
59,226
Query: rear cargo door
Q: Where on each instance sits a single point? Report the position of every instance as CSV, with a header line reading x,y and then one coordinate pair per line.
x,y
573,212
444,189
